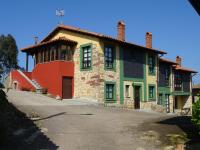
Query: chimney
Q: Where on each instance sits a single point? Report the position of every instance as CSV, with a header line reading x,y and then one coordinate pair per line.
x,y
149,40
178,60
121,31
36,40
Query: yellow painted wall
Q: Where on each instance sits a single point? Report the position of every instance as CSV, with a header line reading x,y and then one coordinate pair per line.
x,y
151,79
81,88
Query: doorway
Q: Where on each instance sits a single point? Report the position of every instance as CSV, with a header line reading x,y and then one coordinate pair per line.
x,y
137,97
67,88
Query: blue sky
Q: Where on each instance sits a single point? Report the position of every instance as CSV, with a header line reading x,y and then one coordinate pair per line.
x,y
174,24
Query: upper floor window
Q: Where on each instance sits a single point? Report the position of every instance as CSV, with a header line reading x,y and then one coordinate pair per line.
x,y
177,81
109,57
167,76
151,62
152,92
86,52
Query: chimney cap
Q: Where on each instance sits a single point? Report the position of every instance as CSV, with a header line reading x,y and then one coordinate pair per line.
x,y
148,33
121,22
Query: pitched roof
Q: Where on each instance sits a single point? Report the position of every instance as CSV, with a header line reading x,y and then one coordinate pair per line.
x,y
176,67
98,35
196,86
185,69
49,42
167,61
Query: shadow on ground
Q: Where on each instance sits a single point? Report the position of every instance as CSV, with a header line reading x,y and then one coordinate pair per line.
x,y
19,132
184,123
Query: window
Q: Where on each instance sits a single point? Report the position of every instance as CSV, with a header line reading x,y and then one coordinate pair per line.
x,y
109,57
109,91
151,92
86,57
177,81
127,90
167,74
151,64
52,56
63,55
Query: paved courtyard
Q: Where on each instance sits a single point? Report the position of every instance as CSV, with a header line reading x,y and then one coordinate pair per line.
x,y
81,124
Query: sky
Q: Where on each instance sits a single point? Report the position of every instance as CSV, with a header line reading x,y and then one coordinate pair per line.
x,y
174,24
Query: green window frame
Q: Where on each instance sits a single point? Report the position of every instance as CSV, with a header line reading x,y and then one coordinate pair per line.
x,y
152,92
160,99
86,57
151,63
110,92
167,76
109,57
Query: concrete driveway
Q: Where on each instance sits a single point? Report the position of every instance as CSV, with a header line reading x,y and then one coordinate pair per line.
x,y
83,125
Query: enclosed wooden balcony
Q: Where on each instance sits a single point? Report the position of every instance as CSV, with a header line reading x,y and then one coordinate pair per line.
x,y
58,49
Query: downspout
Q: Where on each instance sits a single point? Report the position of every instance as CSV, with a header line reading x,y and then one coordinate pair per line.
x,y
161,55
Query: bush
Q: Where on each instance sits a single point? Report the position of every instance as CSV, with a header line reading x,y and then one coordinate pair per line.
x,y
196,113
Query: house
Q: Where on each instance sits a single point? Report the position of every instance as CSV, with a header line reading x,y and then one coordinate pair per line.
x,y
72,63
195,92
175,85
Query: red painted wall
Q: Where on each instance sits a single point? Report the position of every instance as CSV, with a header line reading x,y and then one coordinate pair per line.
x,y
49,75
21,81
28,74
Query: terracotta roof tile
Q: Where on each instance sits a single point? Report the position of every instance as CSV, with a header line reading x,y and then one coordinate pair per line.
x,y
185,69
167,61
48,42
78,30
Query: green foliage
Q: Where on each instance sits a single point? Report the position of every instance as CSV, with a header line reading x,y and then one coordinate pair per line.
x,y
8,54
196,113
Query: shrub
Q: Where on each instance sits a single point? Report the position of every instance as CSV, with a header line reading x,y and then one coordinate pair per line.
x,y
196,113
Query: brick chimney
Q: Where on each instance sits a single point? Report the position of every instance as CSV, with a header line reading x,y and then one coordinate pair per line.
x,y
121,31
178,60
149,40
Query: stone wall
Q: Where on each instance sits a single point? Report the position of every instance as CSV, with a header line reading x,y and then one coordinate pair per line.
x,y
90,83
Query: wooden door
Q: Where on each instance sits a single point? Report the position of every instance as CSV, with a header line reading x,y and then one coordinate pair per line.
x,y
66,88
137,97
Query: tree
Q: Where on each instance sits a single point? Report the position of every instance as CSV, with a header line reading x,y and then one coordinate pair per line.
x,y
8,54
196,113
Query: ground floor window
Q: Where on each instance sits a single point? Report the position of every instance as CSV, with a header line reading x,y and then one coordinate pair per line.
x,y
127,93
110,91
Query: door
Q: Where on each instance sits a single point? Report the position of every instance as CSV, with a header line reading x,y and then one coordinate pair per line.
x,y
137,97
66,88
167,103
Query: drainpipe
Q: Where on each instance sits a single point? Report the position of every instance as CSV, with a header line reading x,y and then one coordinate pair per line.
x,y
27,62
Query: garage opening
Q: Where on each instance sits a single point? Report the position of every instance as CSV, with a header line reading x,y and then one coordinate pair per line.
x,y
66,88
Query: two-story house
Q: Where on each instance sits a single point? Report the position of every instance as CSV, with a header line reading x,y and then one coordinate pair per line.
x,y
71,63
175,85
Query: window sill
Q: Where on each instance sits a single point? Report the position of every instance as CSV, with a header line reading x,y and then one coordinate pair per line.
x,y
152,99
152,74
110,101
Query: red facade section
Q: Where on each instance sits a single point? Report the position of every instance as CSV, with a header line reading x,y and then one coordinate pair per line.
x,y
21,83
28,74
49,75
